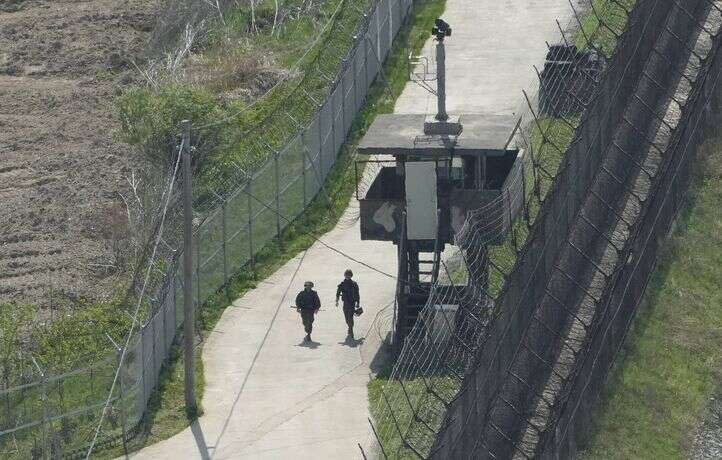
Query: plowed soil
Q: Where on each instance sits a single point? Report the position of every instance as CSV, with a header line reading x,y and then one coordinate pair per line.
x,y
61,171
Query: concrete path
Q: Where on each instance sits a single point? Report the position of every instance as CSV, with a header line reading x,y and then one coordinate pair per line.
x,y
490,55
269,397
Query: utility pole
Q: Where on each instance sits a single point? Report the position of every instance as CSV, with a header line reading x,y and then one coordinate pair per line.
x,y
188,312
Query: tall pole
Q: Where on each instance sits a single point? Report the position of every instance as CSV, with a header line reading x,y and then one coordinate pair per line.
x,y
441,80
188,312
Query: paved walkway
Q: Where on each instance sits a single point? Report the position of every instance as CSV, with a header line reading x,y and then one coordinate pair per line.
x,y
269,397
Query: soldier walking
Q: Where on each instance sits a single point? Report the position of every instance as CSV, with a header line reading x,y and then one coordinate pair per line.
x,y
348,291
308,304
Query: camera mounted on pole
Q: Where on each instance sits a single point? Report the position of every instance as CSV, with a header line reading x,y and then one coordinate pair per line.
x,y
441,30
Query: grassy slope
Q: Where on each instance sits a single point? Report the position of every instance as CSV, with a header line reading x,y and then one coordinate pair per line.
x,y
672,359
167,412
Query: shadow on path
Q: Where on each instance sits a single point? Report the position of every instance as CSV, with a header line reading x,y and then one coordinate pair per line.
x,y
311,344
200,440
352,343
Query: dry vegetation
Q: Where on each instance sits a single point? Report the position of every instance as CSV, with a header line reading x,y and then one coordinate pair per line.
x,y
62,172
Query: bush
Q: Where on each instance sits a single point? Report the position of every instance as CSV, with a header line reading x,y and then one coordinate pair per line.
x,y
151,118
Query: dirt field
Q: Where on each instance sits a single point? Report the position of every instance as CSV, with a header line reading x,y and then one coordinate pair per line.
x,y
61,62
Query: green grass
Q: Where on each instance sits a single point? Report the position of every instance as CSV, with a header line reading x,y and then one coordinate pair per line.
x,y
671,362
228,131
602,24
430,409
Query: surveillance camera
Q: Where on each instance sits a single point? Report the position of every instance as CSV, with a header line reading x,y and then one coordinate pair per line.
x,y
441,29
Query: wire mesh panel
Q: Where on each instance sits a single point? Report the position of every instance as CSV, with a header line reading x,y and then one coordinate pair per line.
x,y
291,198
348,104
337,119
211,247
384,27
373,51
313,174
327,129
359,80
238,215
397,16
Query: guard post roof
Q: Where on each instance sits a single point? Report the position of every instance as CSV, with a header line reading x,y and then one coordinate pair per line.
x,y
403,135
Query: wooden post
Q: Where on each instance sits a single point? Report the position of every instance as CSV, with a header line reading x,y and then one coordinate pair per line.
x,y
188,312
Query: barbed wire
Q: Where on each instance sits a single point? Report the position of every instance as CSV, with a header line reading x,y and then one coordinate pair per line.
x,y
477,233
405,424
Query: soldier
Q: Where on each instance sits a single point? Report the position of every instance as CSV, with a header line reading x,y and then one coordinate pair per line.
x,y
348,291
308,304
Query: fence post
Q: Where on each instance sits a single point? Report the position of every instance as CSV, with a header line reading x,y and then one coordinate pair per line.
x,y
278,199
188,310
154,350
6,380
303,174
225,255
46,410
320,139
121,407
344,66
249,192
163,310
123,424
197,246
377,12
391,24
355,76
143,383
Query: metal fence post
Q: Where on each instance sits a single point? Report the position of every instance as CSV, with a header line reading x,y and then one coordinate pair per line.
x,y
153,350
46,410
225,254
197,245
391,25
123,421
355,75
303,174
163,310
278,199
320,141
6,380
188,308
343,102
249,192
378,35
143,383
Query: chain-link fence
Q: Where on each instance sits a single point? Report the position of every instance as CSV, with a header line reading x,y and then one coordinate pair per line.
x,y
50,414
514,368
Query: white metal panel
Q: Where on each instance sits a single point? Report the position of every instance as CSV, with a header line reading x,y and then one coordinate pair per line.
x,y
421,218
